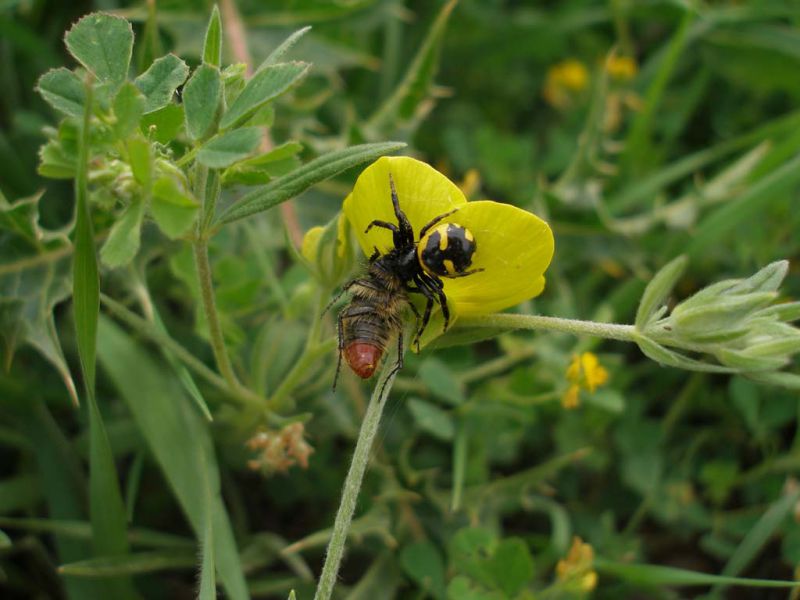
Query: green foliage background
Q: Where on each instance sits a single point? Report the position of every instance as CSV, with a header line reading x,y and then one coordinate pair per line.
x,y
479,477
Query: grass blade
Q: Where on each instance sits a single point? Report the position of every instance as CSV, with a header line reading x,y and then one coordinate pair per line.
x,y
178,438
299,180
656,575
116,566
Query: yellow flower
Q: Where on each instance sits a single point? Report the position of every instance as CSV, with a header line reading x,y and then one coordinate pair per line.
x,y
563,81
576,569
513,246
584,372
621,68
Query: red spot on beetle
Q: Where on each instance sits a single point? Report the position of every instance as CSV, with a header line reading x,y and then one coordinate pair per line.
x,y
363,358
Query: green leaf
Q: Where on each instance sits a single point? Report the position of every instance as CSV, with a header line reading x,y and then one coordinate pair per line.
x,y
264,167
512,565
133,564
267,84
177,436
441,381
212,45
5,541
665,356
432,419
123,242
285,46
201,98
225,149
403,105
140,157
299,180
32,283
159,82
164,124
82,530
128,109
747,207
208,585
102,43
424,564
656,576
172,208
656,292
107,511
63,90
85,278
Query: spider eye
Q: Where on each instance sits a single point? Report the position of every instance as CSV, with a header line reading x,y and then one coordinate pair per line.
x,y
446,250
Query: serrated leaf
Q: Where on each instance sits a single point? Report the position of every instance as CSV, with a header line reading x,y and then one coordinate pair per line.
x,y
285,46
299,180
163,125
178,437
128,109
658,289
172,208
30,289
123,241
103,44
212,45
266,85
159,82
228,148
201,98
63,90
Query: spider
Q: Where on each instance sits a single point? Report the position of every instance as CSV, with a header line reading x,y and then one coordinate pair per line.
x,y
412,265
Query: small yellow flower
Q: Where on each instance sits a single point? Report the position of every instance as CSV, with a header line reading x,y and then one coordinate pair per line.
x,y
621,68
576,569
565,80
584,372
513,247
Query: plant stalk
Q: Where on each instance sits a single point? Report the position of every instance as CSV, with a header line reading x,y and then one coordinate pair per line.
x,y
613,331
352,484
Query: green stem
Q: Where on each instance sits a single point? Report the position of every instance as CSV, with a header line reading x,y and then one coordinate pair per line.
x,y
212,318
311,352
613,331
352,484
295,376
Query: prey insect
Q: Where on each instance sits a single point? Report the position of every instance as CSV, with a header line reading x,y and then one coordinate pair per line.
x,y
379,297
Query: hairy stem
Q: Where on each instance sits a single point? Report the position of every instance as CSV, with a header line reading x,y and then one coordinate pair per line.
x,y
613,331
352,484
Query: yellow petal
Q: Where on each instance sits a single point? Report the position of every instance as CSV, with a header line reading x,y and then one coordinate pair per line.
x,y
424,194
514,248
311,244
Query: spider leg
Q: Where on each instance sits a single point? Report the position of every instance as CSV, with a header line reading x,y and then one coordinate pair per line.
x,y
434,221
345,287
424,289
438,289
398,365
405,233
340,329
465,273
383,224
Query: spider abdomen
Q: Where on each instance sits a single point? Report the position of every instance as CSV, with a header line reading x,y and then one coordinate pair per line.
x,y
446,250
